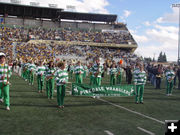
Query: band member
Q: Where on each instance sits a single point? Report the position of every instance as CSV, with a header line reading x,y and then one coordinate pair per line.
x,y
71,70
158,73
32,69
98,69
91,74
119,75
25,70
79,70
113,74
40,76
5,73
50,80
61,77
85,70
128,74
140,81
169,78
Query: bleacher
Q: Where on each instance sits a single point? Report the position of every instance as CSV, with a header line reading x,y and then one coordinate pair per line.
x,y
99,32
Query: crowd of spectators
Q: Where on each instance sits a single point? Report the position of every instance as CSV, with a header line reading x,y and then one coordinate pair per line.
x,y
33,51
18,37
7,48
22,34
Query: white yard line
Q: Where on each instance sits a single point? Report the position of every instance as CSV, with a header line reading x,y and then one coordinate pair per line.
x,y
145,116
146,131
108,132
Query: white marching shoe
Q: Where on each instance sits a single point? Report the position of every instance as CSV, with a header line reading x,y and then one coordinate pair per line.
x,y
7,108
1,100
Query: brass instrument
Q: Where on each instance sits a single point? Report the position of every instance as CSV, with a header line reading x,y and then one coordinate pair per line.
x,y
159,76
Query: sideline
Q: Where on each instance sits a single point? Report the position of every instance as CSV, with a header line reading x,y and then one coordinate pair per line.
x,y
145,116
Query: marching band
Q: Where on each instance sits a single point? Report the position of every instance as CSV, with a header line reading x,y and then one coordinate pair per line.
x,y
59,73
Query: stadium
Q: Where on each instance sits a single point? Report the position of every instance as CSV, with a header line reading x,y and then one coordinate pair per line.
x,y
49,51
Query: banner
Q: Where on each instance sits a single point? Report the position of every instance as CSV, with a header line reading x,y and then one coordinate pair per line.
x,y
87,90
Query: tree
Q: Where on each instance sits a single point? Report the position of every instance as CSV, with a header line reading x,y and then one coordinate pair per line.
x,y
162,57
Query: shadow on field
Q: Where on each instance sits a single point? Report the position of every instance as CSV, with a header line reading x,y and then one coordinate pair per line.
x,y
22,91
55,105
32,105
39,97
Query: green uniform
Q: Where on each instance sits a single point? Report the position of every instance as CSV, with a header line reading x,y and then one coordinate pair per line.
x,y
40,77
50,82
61,77
26,71
98,70
91,76
32,69
71,70
113,74
169,76
119,75
4,89
85,70
46,69
79,70
139,81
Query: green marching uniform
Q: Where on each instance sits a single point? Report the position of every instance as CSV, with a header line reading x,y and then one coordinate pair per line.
x,y
22,70
71,70
61,77
32,69
139,81
40,77
169,78
98,70
85,70
119,75
46,69
113,74
26,71
5,71
91,76
50,82
79,70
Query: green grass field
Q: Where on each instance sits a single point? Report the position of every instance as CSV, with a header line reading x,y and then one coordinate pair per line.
x,y
33,114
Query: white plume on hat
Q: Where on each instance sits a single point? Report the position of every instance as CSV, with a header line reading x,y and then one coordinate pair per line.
x,y
2,54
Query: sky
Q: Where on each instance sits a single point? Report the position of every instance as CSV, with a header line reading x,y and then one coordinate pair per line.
x,y
153,23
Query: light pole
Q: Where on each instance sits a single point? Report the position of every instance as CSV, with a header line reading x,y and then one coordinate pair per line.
x,y
178,6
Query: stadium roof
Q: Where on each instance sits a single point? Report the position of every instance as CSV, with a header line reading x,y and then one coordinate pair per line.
x,y
27,11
